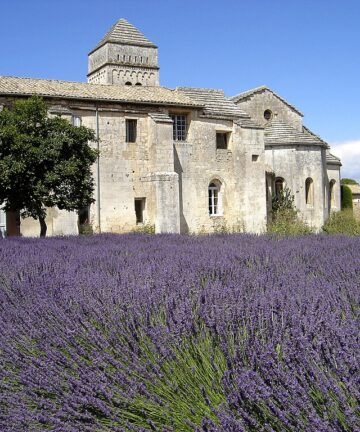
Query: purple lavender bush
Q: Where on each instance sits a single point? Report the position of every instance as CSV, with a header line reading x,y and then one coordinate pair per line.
x,y
174,333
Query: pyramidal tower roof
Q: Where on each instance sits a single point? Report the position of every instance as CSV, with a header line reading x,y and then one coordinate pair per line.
x,y
122,32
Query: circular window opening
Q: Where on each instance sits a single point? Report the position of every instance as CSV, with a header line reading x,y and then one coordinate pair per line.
x,y
267,114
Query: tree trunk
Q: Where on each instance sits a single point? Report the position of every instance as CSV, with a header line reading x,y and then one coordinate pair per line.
x,y
43,226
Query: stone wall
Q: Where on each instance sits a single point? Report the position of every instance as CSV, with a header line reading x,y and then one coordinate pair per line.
x,y
258,103
333,187
295,164
242,179
120,64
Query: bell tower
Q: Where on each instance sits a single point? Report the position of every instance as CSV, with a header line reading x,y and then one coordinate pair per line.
x,y
124,57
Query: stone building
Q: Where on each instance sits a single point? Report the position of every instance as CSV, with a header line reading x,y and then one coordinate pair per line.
x,y
355,190
184,159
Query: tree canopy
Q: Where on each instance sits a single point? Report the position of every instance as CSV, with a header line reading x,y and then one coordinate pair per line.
x,y
348,181
346,197
44,161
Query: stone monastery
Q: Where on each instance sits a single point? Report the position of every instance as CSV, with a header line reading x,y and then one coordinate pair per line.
x,y
183,160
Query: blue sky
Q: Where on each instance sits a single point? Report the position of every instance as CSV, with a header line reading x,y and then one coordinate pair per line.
x,y
305,50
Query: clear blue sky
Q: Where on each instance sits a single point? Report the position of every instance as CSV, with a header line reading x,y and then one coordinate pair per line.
x,y
305,50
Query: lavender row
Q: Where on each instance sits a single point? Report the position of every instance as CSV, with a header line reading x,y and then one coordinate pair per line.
x,y
178,333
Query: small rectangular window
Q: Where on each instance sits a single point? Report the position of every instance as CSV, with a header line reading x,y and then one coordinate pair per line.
x,y
76,121
179,127
221,140
131,126
139,210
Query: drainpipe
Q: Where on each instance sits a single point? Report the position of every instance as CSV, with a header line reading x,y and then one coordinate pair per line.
x,y
98,169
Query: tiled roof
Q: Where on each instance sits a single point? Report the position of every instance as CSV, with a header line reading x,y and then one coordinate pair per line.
x,y
124,33
160,117
97,92
331,159
314,135
248,123
280,133
215,102
249,93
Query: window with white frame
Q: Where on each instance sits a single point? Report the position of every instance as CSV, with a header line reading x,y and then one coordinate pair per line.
x,y
214,198
76,120
179,126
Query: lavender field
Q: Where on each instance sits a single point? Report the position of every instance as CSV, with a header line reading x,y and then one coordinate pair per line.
x,y
178,333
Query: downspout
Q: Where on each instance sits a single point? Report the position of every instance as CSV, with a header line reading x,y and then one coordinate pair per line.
x,y
98,168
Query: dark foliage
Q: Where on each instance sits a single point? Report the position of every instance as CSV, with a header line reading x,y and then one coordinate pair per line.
x,y
346,197
44,162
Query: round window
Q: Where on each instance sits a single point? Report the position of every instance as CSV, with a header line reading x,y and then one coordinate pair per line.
x,y
267,114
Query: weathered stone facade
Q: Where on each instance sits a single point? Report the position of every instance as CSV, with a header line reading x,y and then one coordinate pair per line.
x,y
185,160
355,190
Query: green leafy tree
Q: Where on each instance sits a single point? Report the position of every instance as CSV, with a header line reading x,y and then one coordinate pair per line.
x,y
44,162
283,200
348,181
346,197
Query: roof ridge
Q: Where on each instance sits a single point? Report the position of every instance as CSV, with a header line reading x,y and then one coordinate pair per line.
x,y
82,90
123,32
83,82
260,89
249,92
212,90
314,134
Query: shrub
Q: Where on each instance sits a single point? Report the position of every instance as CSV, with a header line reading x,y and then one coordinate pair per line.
x,y
86,229
146,228
283,200
287,223
285,219
342,222
346,197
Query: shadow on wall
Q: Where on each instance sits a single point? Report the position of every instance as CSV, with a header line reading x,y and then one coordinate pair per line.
x,y
184,228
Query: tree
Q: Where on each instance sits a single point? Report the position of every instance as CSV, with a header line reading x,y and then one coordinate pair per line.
x,y
283,200
285,220
348,181
44,162
346,197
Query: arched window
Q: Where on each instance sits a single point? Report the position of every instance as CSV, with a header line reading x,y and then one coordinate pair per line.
x,y
309,191
332,194
214,191
128,83
138,84
279,185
